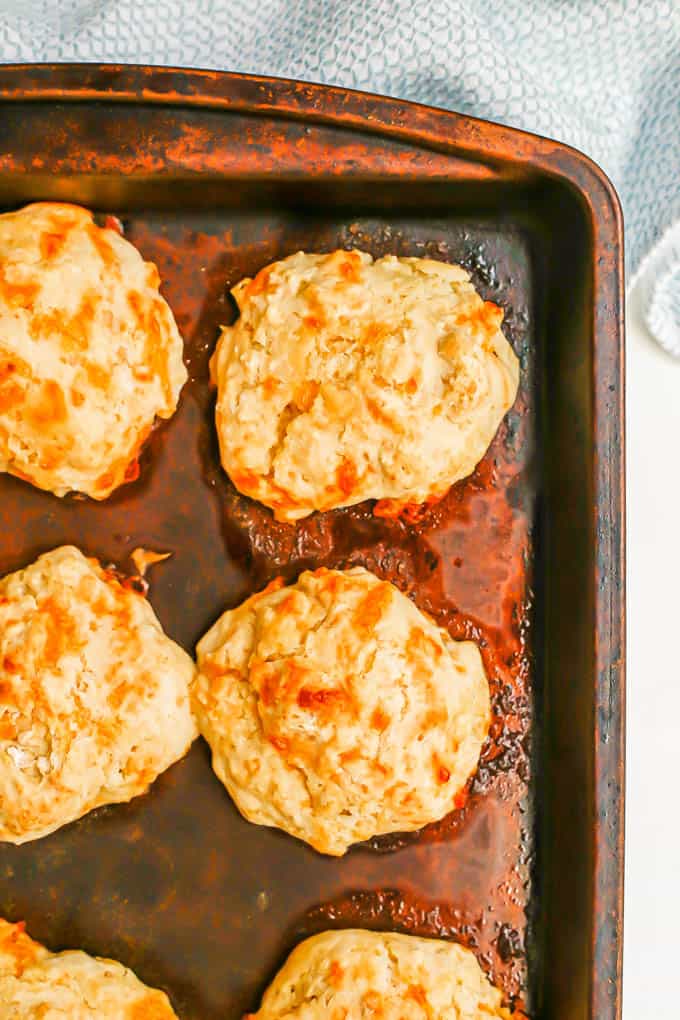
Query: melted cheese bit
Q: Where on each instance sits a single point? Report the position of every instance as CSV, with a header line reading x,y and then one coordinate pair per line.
x,y
145,558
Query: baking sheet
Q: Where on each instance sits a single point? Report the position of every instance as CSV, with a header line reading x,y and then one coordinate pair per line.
x,y
176,884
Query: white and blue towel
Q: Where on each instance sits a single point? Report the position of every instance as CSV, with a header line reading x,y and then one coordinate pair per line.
x,y
602,75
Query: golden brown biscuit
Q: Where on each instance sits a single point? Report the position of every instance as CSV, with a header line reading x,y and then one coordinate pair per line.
x,y
38,985
346,379
90,353
94,698
358,974
337,711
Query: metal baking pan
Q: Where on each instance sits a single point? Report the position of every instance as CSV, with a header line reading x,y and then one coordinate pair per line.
x,y
214,175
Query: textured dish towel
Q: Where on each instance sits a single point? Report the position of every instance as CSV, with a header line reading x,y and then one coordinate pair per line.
x,y
602,75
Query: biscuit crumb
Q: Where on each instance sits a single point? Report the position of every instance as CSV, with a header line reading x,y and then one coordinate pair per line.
x,y
145,558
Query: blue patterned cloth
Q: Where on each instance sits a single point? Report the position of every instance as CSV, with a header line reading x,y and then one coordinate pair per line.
x,y
602,75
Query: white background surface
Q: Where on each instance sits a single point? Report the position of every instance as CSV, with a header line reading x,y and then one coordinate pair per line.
x,y
652,909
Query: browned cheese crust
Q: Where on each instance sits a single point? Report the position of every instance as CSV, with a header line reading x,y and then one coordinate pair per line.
x,y
38,985
337,711
345,379
90,354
